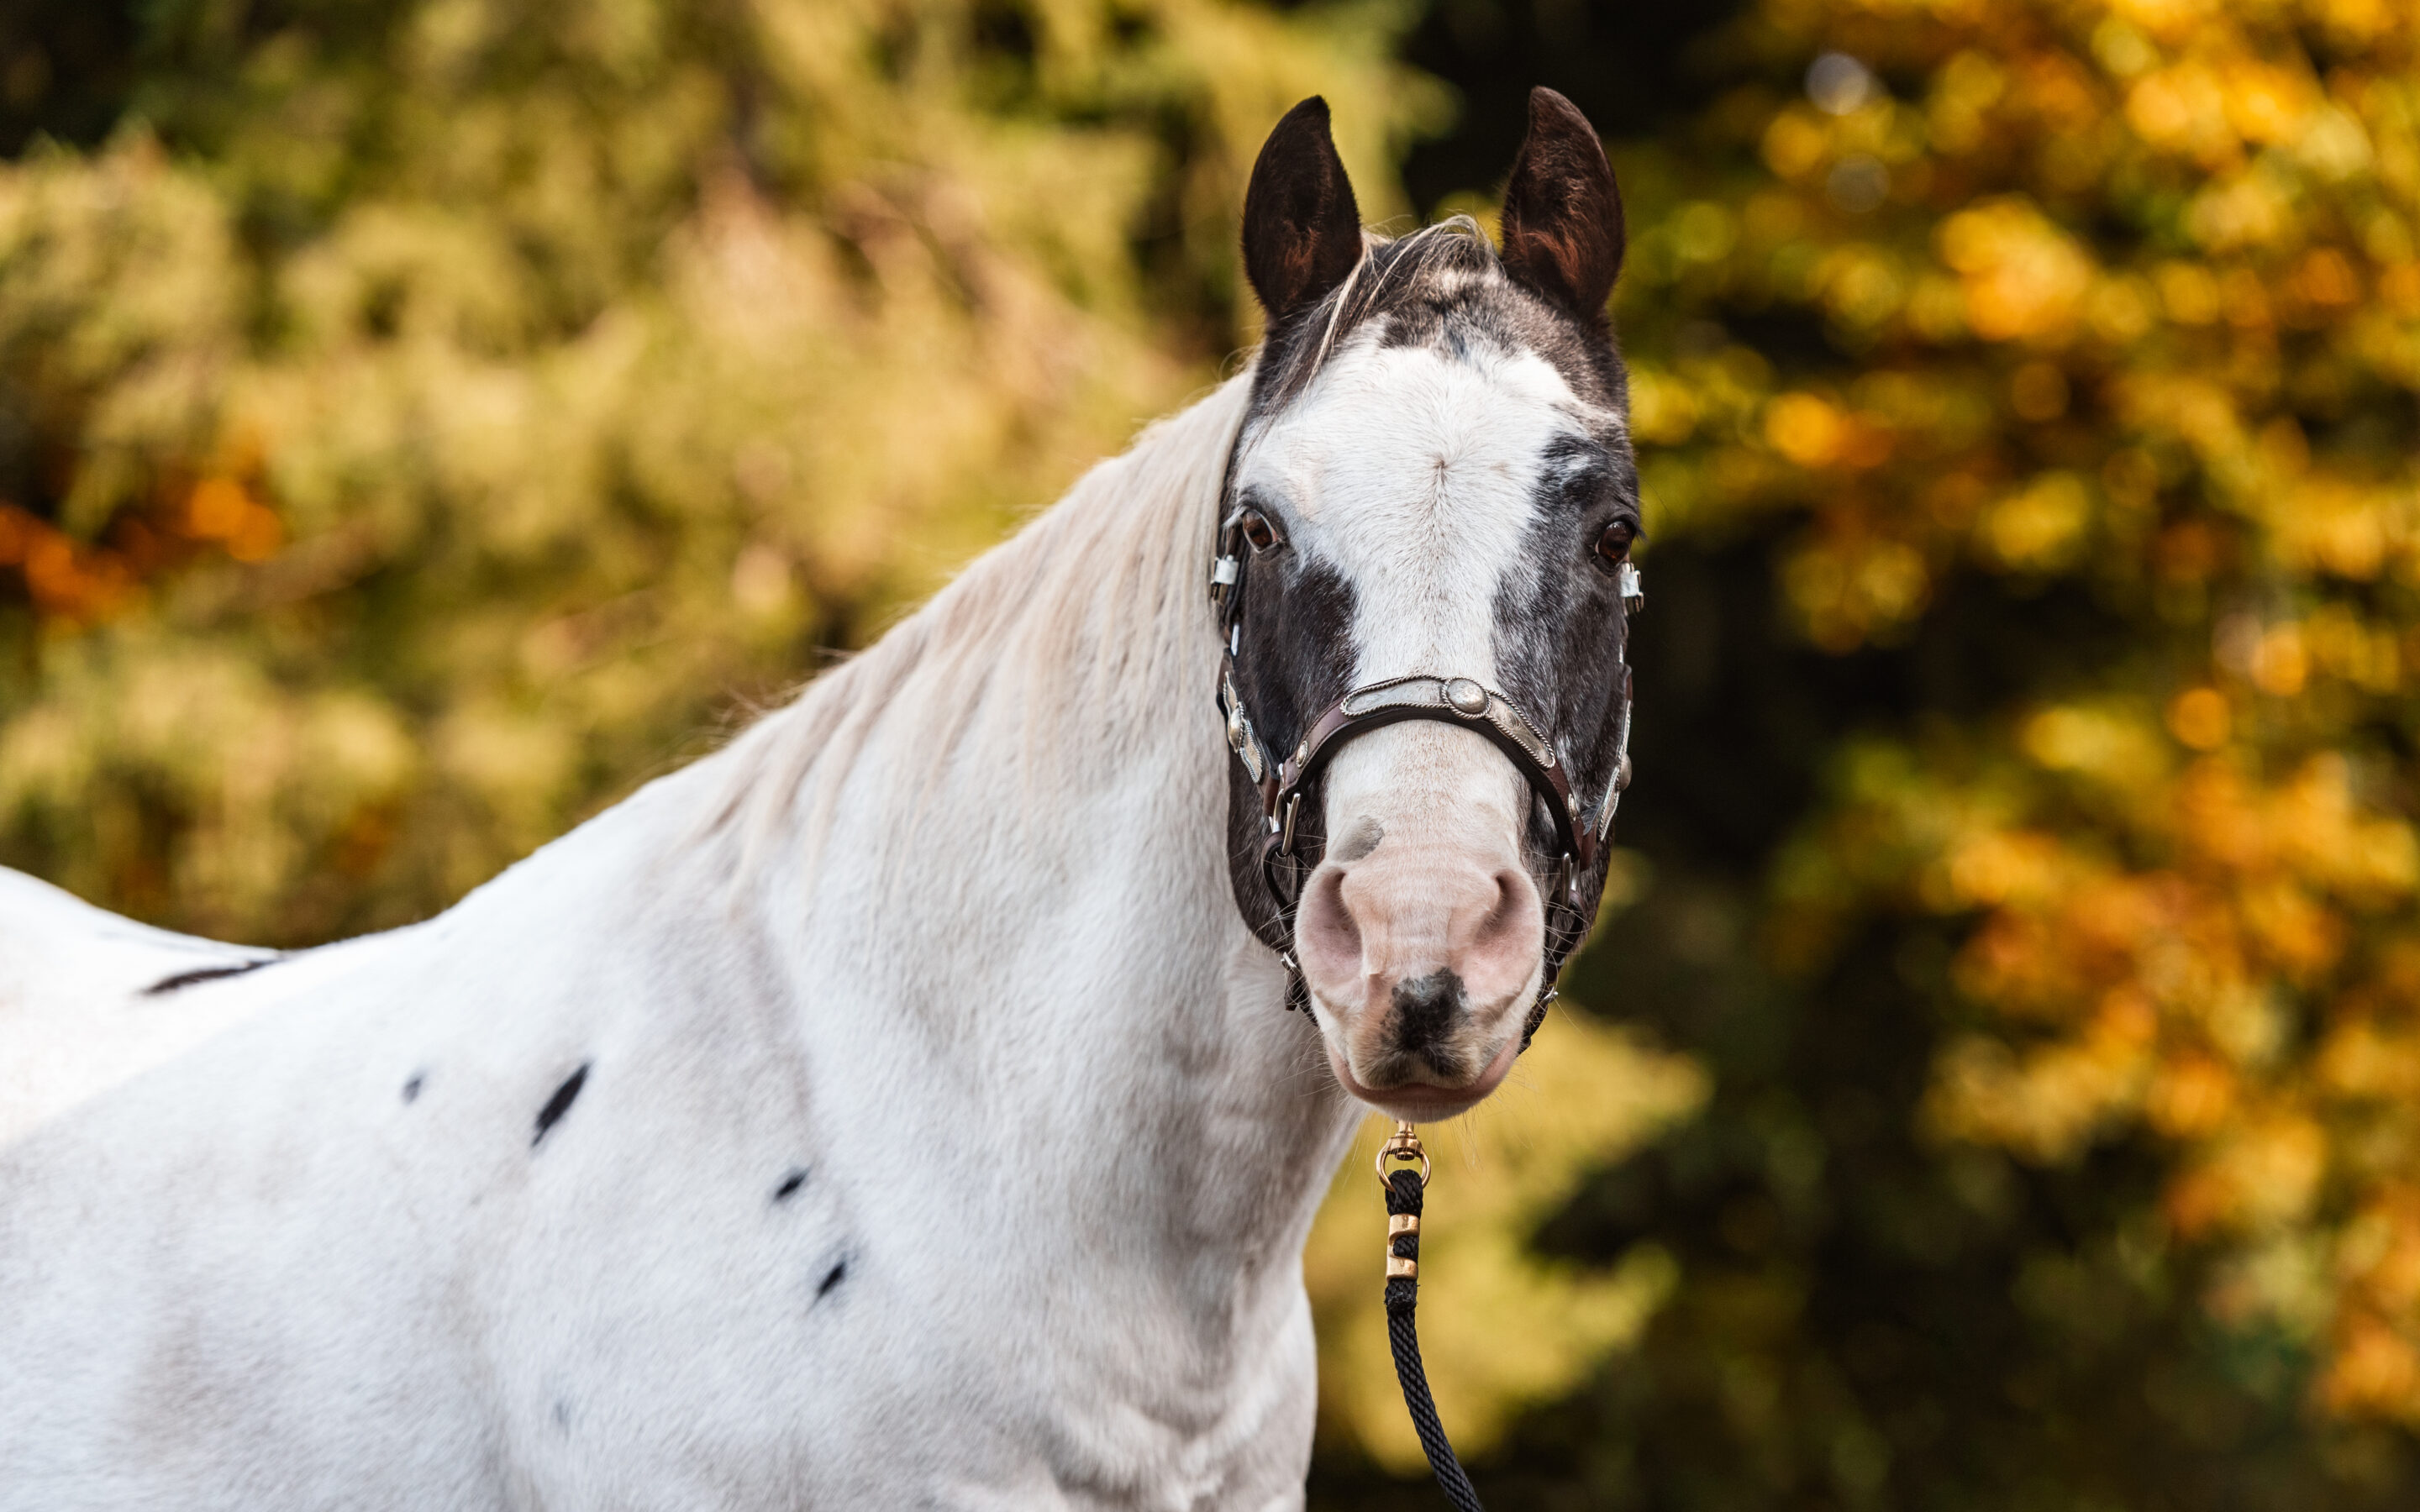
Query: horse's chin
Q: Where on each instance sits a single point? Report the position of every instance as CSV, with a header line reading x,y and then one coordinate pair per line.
x,y
1428,1102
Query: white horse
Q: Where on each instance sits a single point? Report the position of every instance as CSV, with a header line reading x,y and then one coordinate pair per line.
x,y
895,1109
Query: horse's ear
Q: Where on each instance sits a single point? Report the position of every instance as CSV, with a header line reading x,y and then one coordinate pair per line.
x,y
1302,231
1562,214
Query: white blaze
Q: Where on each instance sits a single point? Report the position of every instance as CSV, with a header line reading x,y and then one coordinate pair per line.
x,y
1414,473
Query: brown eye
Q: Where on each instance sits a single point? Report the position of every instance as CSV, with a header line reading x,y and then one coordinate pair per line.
x,y
1613,546
1257,530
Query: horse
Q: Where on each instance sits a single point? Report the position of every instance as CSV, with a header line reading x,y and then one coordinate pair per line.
x,y
902,1107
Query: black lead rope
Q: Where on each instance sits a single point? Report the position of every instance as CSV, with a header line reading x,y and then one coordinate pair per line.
x,y
1404,1190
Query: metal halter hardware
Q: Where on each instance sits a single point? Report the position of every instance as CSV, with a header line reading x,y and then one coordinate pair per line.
x,y
1448,700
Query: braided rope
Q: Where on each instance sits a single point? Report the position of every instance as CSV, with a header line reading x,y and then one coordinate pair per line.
x,y
1403,1292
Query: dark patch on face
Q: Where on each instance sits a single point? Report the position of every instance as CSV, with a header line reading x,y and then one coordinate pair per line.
x,y
1426,1010
188,978
1358,842
833,1277
563,1415
790,1184
1291,352
1562,638
1496,317
411,1086
560,1103
1297,659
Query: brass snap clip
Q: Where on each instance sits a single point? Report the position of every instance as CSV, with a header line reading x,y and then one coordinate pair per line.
x,y
1402,1144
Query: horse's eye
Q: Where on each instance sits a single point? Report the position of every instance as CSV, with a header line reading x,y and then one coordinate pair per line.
x,y
1613,546
1257,530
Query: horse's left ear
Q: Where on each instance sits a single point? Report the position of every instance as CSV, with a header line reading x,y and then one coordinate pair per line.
x,y
1562,215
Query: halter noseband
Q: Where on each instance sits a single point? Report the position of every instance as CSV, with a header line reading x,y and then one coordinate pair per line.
x,y
1448,700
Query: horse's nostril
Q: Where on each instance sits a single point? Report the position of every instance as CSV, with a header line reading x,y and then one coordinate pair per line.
x,y
1327,924
1511,913
1426,1008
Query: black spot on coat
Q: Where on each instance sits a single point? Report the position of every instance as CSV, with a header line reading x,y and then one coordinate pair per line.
x,y
411,1086
560,1103
188,978
790,1183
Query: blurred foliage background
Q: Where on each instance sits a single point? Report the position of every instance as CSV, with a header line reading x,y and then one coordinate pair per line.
x,y
1996,1084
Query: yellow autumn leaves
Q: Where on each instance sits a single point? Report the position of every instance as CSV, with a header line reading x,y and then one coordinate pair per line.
x,y
2120,309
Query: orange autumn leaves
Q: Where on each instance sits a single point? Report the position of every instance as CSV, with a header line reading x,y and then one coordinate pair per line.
x,y
2160,987
2184,996
2119,298
72,583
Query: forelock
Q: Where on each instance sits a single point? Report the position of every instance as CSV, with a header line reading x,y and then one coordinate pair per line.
x,y
1442,287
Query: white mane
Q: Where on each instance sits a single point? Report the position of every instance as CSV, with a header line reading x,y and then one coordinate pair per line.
x,y
1076,626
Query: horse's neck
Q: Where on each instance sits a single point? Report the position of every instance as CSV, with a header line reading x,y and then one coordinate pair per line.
x,y
999,895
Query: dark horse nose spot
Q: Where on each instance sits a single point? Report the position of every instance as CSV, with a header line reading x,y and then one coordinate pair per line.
x,y
1425,1010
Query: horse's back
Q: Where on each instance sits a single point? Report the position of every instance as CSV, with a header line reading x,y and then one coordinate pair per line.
x,y
78,1009
208,1274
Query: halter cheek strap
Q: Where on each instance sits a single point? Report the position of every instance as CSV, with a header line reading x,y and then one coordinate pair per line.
x,y
1456,701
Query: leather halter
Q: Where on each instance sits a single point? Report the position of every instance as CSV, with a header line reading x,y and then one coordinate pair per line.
x,y
1579,838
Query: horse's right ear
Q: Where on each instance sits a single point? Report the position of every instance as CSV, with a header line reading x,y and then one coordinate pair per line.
x,y
1302,230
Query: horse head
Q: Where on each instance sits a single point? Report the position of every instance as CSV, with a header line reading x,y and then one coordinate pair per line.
x,y
1422,578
